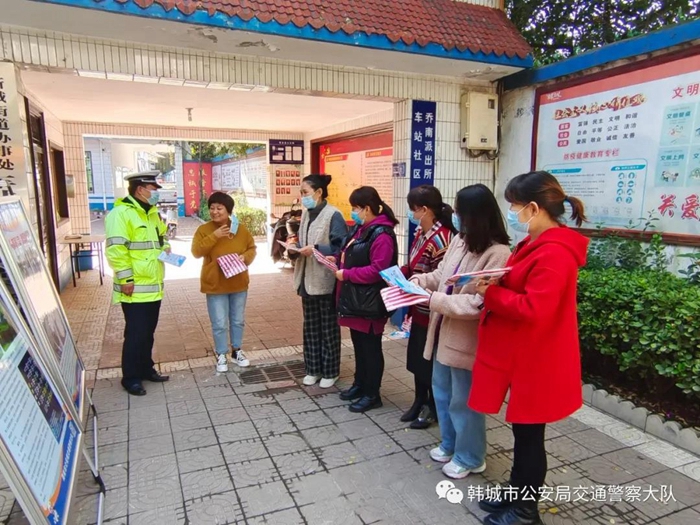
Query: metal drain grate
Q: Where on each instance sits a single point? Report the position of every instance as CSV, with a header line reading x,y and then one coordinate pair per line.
x,y
273,373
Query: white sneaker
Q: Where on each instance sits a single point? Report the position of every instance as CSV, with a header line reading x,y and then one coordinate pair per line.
x,y
327,383
240,359
454,471
222,363
311,380
437,454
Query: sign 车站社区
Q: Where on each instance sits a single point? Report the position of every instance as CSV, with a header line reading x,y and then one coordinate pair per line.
x,y
286,151
628,145
13,177
422,162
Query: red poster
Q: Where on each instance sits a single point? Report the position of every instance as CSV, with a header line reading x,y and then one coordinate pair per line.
x,y
191,181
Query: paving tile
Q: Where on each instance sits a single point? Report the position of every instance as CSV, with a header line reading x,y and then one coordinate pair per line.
x,y
340,455
185,408
359,428
289,394
410,439
285,444
274,425
147,414
256,472
256,398
197,438
314,488
691,470
567,450
200,458
206,482
114,477
323,436
114,454
337,511
295,406
214,391
297,464
284,517
221,509
265,499
166,491
235,432
685,517
315,418
155,398
151,447
183,394
595,441
190,422
389,420
685,490
222,403
635,462
376,446
666,454
264,411
242,451
149,429
329,401
342,414
152,470
602,471
229,415
112,435
118,418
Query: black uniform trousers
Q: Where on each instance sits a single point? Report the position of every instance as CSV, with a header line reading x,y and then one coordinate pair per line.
x,y
141,322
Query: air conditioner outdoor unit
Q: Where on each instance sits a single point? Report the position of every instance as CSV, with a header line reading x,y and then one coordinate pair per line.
x,y
479,121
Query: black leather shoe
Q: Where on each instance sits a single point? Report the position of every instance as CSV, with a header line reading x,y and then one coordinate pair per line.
x,y
135,389
495,506
366,403
155,377
412,413
515,516
425,419
354,392
502,498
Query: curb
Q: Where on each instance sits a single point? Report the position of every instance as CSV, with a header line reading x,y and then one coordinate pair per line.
x,y
639,417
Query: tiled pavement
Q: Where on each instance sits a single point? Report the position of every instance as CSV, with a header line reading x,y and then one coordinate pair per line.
x,y
255,447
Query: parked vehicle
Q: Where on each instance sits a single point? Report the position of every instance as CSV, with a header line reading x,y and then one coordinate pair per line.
x,y
285,229
167,208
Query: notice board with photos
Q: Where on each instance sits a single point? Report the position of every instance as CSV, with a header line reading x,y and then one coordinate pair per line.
x,y
40,441
24,263
627,142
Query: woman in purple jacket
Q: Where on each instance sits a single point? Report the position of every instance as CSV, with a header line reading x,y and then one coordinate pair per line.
x,y
370,247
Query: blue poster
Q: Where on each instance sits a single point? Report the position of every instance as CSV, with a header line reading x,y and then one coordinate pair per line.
x,y
423,124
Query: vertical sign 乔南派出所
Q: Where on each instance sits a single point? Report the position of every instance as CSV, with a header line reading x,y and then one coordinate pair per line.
x,y
422,161
286,151
13,177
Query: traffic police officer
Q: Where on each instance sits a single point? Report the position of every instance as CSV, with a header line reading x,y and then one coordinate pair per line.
x,y
135,239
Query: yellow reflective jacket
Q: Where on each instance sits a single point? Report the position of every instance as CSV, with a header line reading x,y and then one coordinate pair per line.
x,y
134,242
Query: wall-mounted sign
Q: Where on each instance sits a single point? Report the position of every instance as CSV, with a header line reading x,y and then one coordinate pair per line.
x,y
628,144
13,176
286,151
398,169
423,126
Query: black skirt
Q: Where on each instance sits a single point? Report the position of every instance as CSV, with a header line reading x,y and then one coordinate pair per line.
x,y
415,362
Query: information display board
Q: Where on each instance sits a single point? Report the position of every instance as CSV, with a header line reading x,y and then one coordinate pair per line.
x,y
24,263
364,161
628,144
39,439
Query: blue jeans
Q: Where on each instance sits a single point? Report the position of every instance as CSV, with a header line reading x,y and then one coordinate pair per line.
x,y
462,430
227,313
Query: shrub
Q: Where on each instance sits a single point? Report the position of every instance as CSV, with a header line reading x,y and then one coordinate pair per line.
x,y
646,321
253,218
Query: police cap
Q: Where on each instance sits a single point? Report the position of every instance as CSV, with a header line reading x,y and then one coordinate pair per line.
x,y
143,178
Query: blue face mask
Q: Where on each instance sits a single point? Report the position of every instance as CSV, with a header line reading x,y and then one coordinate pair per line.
x,y
154,198
234,225
514,222
356,217
412,218
308,202
456,222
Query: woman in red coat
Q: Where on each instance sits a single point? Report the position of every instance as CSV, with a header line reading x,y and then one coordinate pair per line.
x,y
528,337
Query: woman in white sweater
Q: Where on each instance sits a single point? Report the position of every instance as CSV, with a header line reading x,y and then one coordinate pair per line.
x,y
482,244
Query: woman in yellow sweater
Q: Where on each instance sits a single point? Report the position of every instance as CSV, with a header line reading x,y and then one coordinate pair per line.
x,y
226,298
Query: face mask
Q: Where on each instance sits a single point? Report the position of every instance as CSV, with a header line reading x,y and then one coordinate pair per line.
x,y
154,198
412,218
515,224
308,202
234,225
356,217
456,222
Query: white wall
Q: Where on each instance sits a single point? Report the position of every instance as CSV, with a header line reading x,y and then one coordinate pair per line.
x,y
101,153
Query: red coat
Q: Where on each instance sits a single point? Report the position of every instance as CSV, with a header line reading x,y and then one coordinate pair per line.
x,y
528,335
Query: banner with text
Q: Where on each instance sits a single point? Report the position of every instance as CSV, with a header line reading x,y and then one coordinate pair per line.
x,y
423,125
628,145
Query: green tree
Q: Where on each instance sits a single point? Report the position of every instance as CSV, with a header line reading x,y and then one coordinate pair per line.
x,y
558,29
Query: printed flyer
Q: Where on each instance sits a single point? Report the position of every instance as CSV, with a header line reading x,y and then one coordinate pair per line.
x,y
628,145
